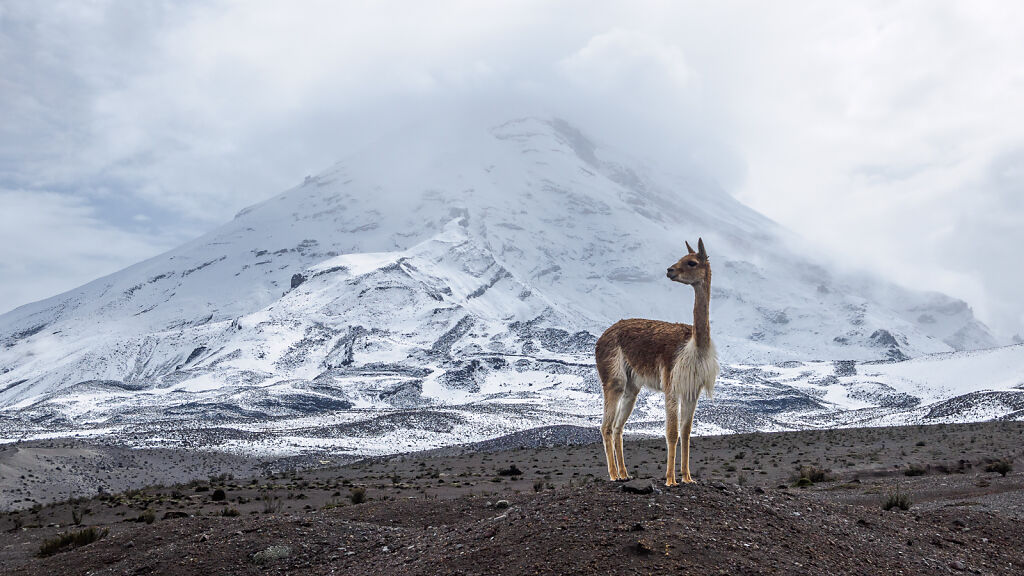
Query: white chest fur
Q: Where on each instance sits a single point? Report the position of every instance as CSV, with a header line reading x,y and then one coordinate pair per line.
x,y
695,369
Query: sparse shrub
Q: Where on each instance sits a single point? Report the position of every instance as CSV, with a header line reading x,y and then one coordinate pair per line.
x,y
219,495
230,512
202,488
77,515
270,554
538,485
357,494
1003,467
512,470
70,540
897,499
915,470
333,503
271,503
147,516
809,474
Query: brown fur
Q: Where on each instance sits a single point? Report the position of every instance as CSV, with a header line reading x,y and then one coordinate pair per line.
x,y
648,345
676,359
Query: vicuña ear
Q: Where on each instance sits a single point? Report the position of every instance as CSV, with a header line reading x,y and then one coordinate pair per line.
x,y
701,252
688,248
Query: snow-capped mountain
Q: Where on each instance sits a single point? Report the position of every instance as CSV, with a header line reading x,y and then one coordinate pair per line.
x,y
459,279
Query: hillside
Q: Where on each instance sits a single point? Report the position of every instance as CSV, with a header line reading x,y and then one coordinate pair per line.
x,y
452,285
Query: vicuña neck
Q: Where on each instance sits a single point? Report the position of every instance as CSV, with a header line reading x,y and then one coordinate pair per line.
x,y
701,314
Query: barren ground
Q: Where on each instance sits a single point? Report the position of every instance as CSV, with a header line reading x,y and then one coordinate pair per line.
x,y
466,511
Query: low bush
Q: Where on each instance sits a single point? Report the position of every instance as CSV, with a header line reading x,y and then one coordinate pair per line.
x,y
915,470
897,499
68,540
809,474
357,495
271,504
512,470
1003,467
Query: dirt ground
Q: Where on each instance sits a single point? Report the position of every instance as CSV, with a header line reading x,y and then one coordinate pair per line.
x,y
550,510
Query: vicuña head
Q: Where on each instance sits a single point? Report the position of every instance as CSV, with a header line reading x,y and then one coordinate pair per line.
x,y
693,268
676,359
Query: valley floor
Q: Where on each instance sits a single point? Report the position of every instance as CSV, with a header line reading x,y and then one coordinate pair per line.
x,y
533,504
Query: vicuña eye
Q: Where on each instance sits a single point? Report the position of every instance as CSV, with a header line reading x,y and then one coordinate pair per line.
x,y
691,263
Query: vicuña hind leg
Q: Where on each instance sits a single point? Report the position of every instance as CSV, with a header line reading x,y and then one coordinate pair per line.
x,y
612,393
625,408
688,409
671,437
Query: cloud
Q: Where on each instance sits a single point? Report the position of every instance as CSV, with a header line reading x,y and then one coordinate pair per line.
x,y
50,243
885,133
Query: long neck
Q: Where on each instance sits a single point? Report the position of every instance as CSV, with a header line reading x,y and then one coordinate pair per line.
x,y
701,313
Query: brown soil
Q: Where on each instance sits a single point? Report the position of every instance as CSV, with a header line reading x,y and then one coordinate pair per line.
x,y
442,513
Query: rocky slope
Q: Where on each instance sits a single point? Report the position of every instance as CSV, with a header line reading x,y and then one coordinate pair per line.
x,y
451,286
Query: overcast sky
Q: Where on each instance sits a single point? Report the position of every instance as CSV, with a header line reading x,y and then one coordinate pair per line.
x,y
890,135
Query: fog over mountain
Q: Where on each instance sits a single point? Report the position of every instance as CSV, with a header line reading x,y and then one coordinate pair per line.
x,y
451,284
886,135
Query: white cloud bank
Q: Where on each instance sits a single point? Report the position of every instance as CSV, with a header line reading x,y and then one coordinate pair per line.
x,y
890,135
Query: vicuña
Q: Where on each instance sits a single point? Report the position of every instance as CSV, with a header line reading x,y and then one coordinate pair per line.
x,y
677,359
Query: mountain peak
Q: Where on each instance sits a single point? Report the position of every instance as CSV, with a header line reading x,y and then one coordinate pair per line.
x,y
423,267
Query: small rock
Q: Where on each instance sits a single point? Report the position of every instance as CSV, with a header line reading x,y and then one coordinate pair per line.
x,y
204,538
638,487
502,504
638,527
641,549
957,565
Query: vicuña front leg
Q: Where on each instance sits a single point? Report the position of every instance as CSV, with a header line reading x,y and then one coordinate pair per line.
x,y
688,410
671,437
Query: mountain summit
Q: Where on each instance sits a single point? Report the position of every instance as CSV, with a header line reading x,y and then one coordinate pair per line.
x,y
440,265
